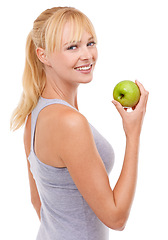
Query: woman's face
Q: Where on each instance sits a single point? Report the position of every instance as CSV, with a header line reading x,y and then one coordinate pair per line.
x,y
74,63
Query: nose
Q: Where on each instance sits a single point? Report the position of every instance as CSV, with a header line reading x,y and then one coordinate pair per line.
x,y
85,53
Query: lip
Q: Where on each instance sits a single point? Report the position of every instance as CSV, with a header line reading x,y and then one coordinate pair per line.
x,y
85,71
86,65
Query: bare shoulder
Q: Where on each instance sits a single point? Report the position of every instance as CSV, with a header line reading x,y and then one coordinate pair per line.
x,y
55,124
60,116
54,110
72,120
71,124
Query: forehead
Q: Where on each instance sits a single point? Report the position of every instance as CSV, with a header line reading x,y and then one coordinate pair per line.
x,y
73,33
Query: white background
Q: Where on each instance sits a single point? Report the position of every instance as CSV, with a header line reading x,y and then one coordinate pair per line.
x,y
132,44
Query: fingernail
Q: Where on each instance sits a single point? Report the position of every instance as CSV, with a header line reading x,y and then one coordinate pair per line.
x,y
114,102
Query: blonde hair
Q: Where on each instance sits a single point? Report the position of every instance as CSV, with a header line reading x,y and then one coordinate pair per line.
x,y
47,34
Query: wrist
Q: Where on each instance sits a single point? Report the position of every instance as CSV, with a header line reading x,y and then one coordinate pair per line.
x,y
133,138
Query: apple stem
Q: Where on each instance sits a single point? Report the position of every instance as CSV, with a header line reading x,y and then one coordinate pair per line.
x,y
121,96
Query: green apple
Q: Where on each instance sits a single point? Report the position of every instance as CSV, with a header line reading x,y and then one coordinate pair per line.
x,y
127,93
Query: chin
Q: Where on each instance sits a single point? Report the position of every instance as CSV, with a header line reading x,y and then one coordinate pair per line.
x,y
86,78
86,81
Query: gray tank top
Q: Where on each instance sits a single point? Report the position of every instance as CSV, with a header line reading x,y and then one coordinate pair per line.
x,y
65,215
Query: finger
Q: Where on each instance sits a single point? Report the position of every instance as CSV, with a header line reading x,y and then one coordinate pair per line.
x,y
119,107
146,97
144,93
143,101
141,87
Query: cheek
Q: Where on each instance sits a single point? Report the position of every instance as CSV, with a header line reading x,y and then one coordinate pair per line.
x,y
95,54
68,61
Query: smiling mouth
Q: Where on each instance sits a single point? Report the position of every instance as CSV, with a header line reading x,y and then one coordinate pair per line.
x,y
84,67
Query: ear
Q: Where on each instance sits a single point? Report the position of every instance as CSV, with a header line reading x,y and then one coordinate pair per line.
x,y
41,54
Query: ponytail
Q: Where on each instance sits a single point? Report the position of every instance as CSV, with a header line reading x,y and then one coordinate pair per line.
x,y
33,85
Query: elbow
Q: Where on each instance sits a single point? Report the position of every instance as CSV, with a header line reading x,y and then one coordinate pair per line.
x,y
118,222
118,226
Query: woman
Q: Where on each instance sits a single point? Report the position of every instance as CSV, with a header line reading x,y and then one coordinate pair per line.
x,y
68,160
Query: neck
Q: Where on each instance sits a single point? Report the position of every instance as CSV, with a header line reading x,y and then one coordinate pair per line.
x,y
62,91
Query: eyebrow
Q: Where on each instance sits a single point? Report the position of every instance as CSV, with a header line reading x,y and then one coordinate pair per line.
x,y
77,41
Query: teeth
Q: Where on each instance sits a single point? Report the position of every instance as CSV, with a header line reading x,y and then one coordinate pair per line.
x,y
83,68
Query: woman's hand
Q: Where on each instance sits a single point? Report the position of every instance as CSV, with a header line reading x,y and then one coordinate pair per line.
x,y
132,121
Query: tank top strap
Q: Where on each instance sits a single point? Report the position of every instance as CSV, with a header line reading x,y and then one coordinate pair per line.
x,y
42,103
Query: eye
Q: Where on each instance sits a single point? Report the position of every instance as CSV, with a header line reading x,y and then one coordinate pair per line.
x,y
72,47
91,43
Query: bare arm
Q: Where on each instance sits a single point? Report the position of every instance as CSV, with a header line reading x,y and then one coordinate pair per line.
x,y
35,199
132,123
